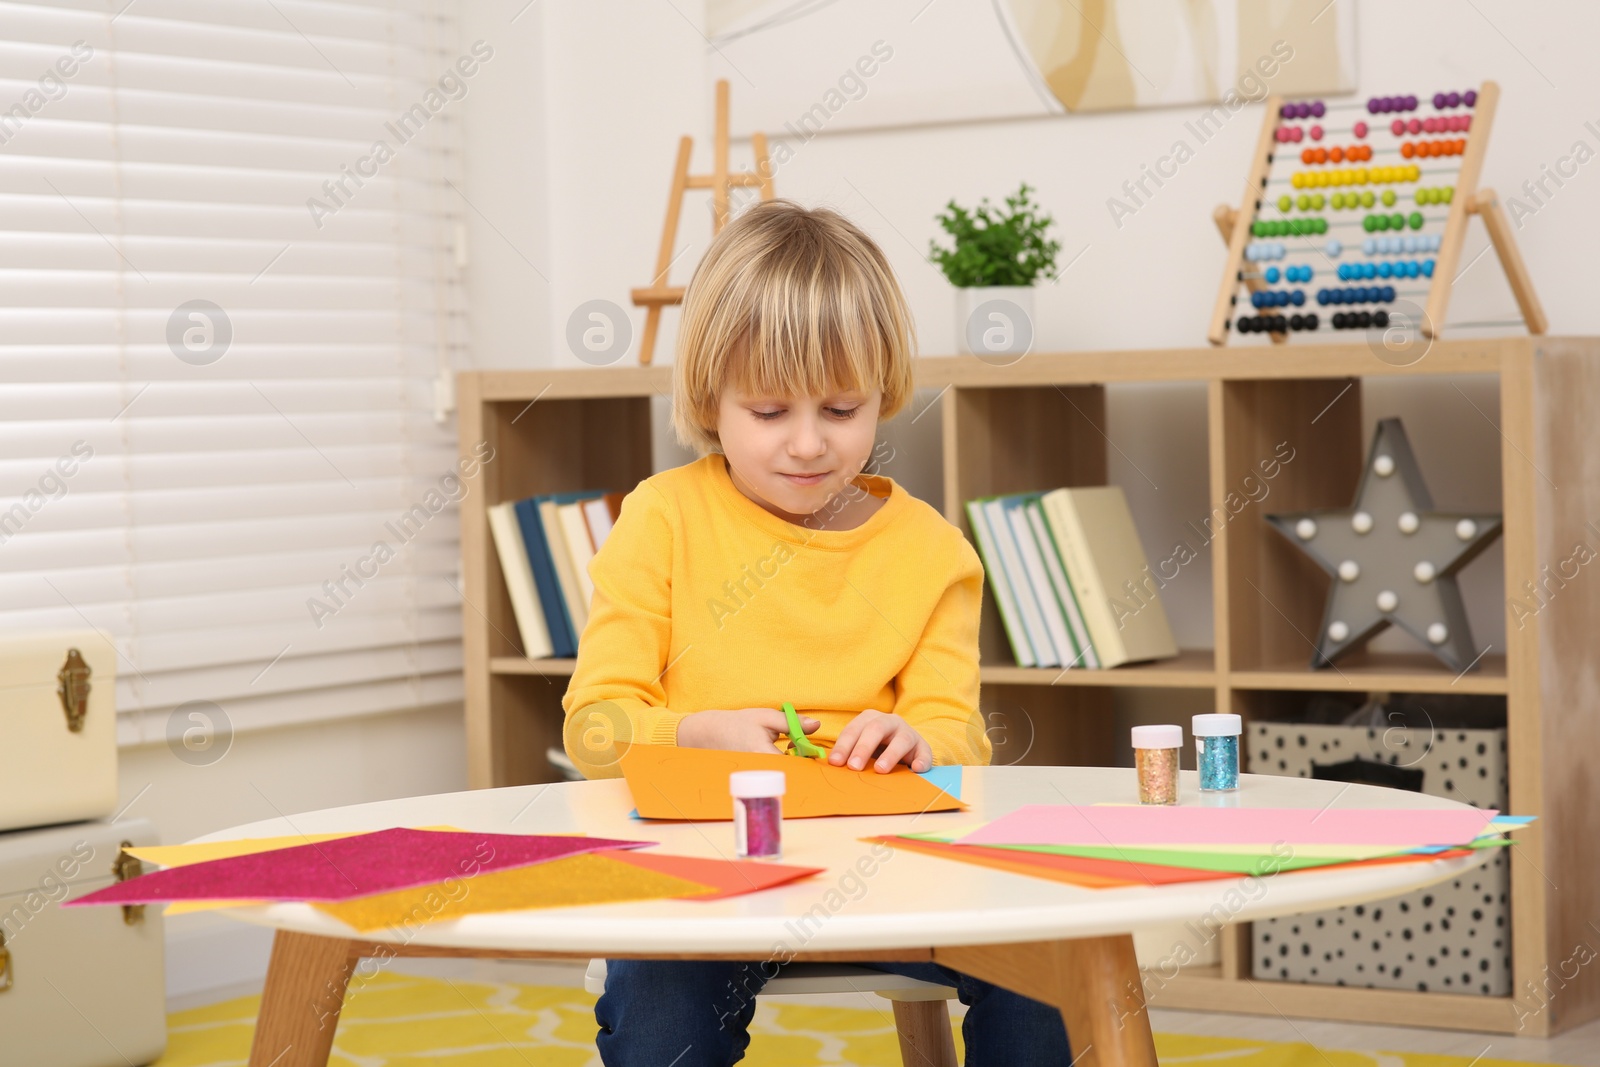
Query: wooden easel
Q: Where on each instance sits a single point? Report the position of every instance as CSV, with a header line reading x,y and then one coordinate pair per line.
x,y
1468,199
658,294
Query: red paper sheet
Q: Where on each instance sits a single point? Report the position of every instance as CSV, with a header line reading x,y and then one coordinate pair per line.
x,y
349,867
731,878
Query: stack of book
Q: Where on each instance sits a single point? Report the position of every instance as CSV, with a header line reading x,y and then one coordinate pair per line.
x,y
545,543
1070,578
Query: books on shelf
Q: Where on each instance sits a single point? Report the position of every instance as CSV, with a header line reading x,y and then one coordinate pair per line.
x,y
544,544
1069,578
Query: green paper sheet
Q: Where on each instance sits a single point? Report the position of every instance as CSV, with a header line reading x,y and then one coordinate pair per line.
x,y
1235,862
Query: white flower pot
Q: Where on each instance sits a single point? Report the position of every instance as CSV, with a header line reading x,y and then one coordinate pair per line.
x,y
995,322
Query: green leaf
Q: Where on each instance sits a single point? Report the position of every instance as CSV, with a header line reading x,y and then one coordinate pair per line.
x,y
993,247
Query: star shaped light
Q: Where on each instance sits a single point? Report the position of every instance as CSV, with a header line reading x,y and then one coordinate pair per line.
x,y
1392,557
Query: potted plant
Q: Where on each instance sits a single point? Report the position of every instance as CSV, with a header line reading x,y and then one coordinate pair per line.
x,y
997,258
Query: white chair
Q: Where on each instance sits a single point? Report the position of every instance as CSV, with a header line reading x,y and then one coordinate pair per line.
x,y
921,1016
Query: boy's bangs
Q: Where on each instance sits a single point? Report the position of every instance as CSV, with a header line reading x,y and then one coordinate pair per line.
x,y
802,344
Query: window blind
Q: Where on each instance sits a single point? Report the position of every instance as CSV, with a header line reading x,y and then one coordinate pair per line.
x,y
228,291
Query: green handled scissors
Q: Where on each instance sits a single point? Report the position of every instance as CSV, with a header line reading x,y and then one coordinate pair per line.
x,y
801,746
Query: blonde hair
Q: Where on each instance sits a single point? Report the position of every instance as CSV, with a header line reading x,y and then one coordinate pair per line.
x,y
789,302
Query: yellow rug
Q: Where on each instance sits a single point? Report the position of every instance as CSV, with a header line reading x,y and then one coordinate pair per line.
x,y
398,1020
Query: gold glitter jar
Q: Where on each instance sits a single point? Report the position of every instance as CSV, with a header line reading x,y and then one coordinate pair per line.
x,y
1155,755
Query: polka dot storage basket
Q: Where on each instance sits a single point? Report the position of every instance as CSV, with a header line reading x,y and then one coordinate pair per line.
x,y
1452,937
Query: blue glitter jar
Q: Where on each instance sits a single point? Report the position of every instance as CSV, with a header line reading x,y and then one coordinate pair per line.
x,y
1216,745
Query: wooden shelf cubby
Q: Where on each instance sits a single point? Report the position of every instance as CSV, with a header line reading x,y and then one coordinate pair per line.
x,y
1040,423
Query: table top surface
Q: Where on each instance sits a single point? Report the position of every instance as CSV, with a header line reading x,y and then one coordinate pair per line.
x,y
868,896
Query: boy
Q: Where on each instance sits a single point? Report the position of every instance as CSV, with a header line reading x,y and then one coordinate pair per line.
x,y
774,568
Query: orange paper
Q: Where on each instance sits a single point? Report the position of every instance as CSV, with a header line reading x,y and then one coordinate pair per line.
x,y
669,782
1055,872
730,878
1090,873
587,878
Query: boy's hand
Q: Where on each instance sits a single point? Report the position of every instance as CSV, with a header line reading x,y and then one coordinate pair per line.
x,y
745,730
871,730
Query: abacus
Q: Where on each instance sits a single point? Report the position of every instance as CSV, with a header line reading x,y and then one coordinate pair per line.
x,y
1353,212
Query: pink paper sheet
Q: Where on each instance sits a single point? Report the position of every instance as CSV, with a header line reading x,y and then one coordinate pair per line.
x,y
349,867
1069,824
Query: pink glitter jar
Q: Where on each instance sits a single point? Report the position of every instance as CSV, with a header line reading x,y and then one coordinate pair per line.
x,y
757,813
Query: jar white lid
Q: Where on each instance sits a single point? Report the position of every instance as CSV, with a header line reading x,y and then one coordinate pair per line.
x,y
751,784
1158,737
1220,725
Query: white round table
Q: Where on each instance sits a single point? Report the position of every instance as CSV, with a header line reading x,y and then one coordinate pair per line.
x,y
1058,943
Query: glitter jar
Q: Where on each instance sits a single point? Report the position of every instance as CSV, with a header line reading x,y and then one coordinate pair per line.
x,y
1155,754
757,813
1216,749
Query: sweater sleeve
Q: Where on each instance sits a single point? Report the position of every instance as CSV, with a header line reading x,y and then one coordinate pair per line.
x,y
615,696
937,690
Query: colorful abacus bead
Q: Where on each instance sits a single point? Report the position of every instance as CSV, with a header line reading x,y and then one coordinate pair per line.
x,y
1359,294
1385,104
1359,129
1360,320
1276,323
1267,298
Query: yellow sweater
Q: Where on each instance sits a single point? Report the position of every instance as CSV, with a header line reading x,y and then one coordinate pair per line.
x,y
704,599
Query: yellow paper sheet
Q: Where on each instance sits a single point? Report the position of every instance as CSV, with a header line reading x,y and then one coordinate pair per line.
x,y
589,878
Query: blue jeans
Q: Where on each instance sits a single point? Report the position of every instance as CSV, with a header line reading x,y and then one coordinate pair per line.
x,y
694,1013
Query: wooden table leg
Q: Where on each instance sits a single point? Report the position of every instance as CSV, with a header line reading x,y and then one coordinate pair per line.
x,y
925,1036
1093,980
300,1006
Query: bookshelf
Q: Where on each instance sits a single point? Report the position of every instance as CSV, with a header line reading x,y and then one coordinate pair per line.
x,y
1039,424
